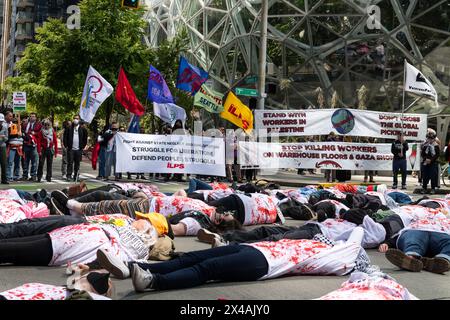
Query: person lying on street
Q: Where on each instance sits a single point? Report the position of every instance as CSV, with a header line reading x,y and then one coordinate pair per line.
x,y
78,243
245,262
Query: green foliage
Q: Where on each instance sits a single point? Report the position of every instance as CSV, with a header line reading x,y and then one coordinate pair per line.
x,y
53,69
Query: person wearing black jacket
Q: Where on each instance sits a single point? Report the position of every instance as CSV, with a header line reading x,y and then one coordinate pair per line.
x,y
429,155
75,140
398,149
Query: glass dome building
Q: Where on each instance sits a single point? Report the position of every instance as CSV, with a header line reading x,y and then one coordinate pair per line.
x,y
320,53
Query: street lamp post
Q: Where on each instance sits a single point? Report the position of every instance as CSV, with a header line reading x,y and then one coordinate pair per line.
x,y
263,54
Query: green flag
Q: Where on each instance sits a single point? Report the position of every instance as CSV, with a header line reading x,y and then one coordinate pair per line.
x,y
209,99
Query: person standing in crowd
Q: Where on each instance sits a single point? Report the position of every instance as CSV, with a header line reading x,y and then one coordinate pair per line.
x,y
111,150
368,174
178,129
13,146
330,174
47,148
66,126
102,154
75,140
429,154
398,149
30,132
3,139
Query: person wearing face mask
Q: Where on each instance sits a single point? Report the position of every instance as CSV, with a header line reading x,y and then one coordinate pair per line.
x,y
75,140
429,154
47,148
110,157
30,131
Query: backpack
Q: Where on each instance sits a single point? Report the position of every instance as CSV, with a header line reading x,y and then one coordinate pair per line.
x,y
295,209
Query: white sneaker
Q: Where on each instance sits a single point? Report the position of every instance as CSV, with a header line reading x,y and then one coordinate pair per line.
x,y
142,279
113,264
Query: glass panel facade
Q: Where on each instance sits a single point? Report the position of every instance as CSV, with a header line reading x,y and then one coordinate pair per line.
x,y
317,46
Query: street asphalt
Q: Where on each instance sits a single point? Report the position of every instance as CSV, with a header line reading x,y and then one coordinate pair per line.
x,y
424,285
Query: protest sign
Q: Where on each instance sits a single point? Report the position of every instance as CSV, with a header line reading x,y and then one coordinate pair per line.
x,y
325,155
170,154
350,122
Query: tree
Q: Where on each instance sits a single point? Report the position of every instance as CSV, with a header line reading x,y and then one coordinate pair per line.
x,y
53,69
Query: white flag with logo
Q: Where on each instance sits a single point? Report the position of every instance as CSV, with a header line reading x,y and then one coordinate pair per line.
x,y
169,112
417,83
96,90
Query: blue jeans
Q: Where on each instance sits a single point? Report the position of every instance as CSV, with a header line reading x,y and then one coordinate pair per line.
x,y
399,165
425,243
227,263
30,154
13,162
102,162
195,185
110,162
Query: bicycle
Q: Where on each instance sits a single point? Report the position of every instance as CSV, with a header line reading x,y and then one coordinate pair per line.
x,y
445,175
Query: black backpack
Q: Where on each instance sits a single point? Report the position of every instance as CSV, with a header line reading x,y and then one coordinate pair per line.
x,y
296,210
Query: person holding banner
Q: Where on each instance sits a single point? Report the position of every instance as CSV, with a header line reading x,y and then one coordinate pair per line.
x,y
398,149
430,152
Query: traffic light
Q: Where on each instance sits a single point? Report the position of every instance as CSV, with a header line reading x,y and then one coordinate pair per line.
x,y
132,4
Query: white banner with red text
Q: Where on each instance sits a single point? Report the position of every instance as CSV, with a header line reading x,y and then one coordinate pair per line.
x,y
351,122
169,154
324,155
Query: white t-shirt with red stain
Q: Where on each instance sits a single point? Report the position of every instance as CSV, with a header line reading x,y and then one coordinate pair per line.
x,y
10,211
362,286
40,291
339,229
337,205
215,194
303,256
291,193
410,213
435,223
79,243
443,204
259,208
172,205
11,194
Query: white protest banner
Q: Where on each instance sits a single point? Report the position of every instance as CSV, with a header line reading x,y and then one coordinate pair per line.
x,y
351,122
325,155
170,154
96,90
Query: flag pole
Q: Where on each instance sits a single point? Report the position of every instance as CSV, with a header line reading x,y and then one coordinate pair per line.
x,y
403,105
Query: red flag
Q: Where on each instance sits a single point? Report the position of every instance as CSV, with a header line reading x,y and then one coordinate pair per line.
x,y
126,96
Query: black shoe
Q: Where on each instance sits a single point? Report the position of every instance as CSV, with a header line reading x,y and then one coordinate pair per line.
x,y
5,182
39,180
30,179
433,191
49,179
423,191
435,265
401,260
143,177
59,201
43,194
404,187
394,186
129,176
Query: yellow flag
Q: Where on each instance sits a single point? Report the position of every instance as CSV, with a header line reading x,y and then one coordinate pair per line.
x,y
237,113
